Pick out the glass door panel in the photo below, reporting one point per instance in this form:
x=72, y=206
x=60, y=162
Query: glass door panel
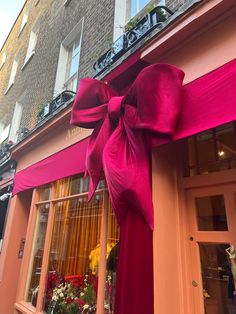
x=217, y=279
x=211, y=211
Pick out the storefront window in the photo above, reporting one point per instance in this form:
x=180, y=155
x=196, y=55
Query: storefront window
x=213, y=150
x=37, y=254
x=112, y=258
x=76, y=234
x=73, y=237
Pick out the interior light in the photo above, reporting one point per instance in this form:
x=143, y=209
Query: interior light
x=221, y=153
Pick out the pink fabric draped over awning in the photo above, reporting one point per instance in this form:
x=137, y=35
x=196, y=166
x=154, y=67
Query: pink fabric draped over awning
x=67, y=162
x=207, y=102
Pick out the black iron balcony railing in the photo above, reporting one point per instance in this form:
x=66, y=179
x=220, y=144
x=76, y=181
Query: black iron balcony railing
x=5, y=152
x=50, y=107
x=149, y=21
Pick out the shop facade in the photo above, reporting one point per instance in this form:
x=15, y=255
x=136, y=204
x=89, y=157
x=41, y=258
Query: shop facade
x=193, y=186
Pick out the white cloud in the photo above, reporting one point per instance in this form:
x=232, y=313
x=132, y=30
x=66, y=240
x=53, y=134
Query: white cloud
x=6, y=22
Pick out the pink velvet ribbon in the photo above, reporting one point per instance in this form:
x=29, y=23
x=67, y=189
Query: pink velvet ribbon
x=123, y=129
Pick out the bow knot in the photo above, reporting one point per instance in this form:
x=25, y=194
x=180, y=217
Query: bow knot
x=122, y=149
x=114, y=107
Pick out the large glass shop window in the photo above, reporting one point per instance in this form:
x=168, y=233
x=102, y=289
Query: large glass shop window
x=72, y=265
x=211, y=151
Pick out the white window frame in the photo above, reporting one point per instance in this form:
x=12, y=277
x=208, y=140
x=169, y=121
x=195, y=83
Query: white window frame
x=15, y=125
x=4, y=57
x=5, y=133
x=12, y=75
x=62, y=80
x=66, y=3
x=24, y=19
x=123, y=14
x=2, y=125
x=32, y=44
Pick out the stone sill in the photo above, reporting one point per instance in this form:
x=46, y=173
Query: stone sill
x=8, y=88
x=22, y=29
x=28, y=60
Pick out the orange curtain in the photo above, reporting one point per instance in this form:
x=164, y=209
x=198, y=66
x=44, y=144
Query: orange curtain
x=76, y=230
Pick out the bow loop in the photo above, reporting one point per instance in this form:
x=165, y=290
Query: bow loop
x=156, y=95
x=90, y=103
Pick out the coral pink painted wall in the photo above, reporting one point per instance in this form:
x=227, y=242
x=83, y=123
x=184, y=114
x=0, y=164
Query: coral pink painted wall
x=209, y=49
x=17, y=221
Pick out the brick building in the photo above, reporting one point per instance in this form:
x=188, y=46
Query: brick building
x=49, y=233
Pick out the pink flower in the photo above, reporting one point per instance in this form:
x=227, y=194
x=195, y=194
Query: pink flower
x=69, y=300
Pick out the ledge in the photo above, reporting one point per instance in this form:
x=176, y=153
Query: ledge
x=2, y=65
x=25, y=308
x=8, y=88
x=21, y=30
x=28, y=60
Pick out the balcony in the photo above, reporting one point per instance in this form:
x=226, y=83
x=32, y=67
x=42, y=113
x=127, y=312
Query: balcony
x=135, y=31
x=5, y=152
x=47, y=111
x=50, y=108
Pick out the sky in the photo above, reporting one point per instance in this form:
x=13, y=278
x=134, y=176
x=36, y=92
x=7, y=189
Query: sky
x=9, y=10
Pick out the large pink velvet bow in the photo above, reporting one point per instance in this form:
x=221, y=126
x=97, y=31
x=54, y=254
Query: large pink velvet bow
x=123, y=128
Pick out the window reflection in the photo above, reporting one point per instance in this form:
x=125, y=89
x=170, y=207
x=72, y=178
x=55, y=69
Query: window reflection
x=37, y=254
x=211, y=214
x=213, y=150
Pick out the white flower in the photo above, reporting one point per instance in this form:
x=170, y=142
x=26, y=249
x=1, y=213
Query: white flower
x=54, y=298
x=58, y=291
x=81, y=294
x=61, y=295
x=85, y=307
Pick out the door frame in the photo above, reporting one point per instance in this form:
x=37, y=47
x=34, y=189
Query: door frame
x=223, y=182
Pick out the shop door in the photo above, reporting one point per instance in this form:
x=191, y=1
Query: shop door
x=212, y=239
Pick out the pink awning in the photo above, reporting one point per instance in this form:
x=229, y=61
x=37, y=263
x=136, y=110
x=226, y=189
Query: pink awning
x=67, y=162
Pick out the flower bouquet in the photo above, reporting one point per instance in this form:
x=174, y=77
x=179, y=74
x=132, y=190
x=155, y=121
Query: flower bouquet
x=73, y=296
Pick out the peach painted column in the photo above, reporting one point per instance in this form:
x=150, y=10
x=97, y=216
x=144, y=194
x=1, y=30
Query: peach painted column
x=168, y=285
x=103, y=251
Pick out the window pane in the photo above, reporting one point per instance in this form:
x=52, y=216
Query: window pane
x=37, y=254
x=74, y=64
x=112, y=257
x=45, y=192
x=74, y=255
x=137, y=5
x=76, y=47
x=211, y=214
x=213, y=150
x=71, y=186
x=217, y=278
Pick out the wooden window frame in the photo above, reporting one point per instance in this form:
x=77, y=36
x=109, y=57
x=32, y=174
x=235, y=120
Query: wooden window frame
x=25, y=307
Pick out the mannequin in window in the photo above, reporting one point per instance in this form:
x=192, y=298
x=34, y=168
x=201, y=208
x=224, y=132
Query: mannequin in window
x=232, y=256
